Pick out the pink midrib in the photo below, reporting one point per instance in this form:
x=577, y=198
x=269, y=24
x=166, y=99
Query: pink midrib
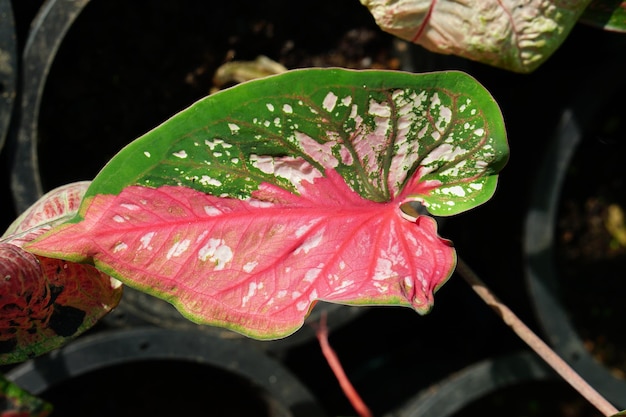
x=422, y=27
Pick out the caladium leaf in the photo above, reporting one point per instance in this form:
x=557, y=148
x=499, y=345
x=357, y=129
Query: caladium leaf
x=45, y=302
x=517, y=36
x=15, y=402
x=256, y=201
x=55, y=207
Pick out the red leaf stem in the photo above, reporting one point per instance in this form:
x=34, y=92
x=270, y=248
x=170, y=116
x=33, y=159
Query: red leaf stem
x=334, y=363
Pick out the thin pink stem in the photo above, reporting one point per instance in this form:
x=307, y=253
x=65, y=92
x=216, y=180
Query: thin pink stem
x=335, y=365
x=538, y=345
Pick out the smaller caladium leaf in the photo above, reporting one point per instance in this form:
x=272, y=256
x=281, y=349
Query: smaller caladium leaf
x=55, y=207
x=507, y=34
x=45, y=302
x=15, y=402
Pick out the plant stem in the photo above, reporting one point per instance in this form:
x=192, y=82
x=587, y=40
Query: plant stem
x=334, y=363
x=532, y=340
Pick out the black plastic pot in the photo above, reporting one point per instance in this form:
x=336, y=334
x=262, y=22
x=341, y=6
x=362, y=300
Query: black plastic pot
x=8, y=67
x=161, y=372
x=47, y=32
x=461, y=389
x=579, y=121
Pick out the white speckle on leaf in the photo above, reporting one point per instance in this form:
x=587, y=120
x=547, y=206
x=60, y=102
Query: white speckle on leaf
x=322, y=152
x=252, y=287
x=234, y=129
x=422, y=280
x=145, y=241
x=379, y=109
x=383, y=269
x=295, y=295
x=260, y=204
x=343, y=286
x=456, y=191
x=120, y=246
x=346, y=101
x=215, y=142
x=263, y=163
x=281, y=293
x=408, y=282
x=212, y=211
x=445, y=116
x=354, y=112
x=201, y=236
x=476, y=186
x=444, y=152
x=216, y=251
x=292, y=169
x=479, y=132
x=270, y=106
x=206, y=180
x=129, y=206
x=118, y=219
x=329, y=102
x=302, y=305
x=180, y=154
x=148, y=155
x=310, y=243
x=313, y=273
x=178, y=248
x=300, y=231
x=249, y=267
x=287, y=108
x=435, y=100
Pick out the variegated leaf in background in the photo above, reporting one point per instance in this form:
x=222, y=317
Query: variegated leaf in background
x=514, y=35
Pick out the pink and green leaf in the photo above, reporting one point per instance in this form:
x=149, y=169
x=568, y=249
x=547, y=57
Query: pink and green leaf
x=255, y=202
x=45, y=302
